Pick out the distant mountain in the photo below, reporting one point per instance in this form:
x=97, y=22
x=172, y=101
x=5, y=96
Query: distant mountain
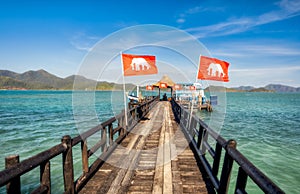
x=7, y=73
x=222, y=89
x=260, y=90
x=268, y=88
x=82, y=83
x=9, y=83
x=41, y=79
x=282, y=88
x=244, y=88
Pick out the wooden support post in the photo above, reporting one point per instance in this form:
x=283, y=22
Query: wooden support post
x=85, y=158
x=200, y=133
x=217, y=158
x=123, y=124
x=193, y=125
x=186, y=118
x=133, y=114
x=14, y=186
x=68, y=170
x=120, y=125
x=111, y=135
x=205, y=138
x=147, y=107
x=104, y=138
x=180, y=112
x=159, y=93
x=241, y=181
x=45, y=176
x=226, y=170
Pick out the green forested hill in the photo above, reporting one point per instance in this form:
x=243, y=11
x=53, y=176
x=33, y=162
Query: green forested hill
x=41, y=79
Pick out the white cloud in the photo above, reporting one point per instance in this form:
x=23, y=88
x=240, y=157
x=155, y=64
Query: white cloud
x=194, y=10
x=291, y=6
x=261, y=48
x=221, y=29
x=180, y=20
x=269, y=69
x=287, y=9
x=83, y=42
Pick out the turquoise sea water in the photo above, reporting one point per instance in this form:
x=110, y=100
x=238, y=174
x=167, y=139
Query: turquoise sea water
x=265, y=125
x=267, y=129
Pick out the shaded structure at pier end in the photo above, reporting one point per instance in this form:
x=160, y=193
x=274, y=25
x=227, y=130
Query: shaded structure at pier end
x=165, y=80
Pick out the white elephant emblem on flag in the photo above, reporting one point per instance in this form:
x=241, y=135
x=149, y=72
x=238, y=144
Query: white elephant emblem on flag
x=138, y=64
x=213, y=68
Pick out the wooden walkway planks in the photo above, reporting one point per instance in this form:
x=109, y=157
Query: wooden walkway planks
x=153, y=158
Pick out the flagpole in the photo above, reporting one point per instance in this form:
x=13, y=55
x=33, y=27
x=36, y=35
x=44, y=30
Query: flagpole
x=137, y=91
x=197, y=76
x=198, y=68
x=191, y=113
x=124, y=93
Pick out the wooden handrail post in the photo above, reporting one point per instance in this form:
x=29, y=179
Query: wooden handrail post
x=241, y=180
x=193, y=125
x=121, y=132
x=14, y=186
x=204, y=140
x=84, y=154
x=45, y=176
x=111, y=135
x=68, y=170
x=185, y=118
x=180, y=112
x=104, y=138
x=200, y=134
x=226, y=170
x=217, y=158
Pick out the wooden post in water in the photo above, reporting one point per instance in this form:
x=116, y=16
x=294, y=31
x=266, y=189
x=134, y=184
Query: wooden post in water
x=68, y=165
x=14, y=186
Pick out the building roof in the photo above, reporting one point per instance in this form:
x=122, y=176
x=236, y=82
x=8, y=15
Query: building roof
x=165, y=79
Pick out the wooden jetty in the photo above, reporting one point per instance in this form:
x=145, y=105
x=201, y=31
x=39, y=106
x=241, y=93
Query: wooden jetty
x=164, y=149
x=150, y=160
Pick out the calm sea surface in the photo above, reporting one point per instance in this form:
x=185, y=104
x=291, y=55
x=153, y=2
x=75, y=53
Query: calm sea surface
x=265, y=125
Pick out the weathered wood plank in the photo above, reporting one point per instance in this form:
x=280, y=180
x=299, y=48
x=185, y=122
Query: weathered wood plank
x=167, y=156
x=154, y=158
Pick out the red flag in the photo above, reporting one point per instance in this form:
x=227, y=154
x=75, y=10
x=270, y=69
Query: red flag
x=163, y=85
x=213, y=69
x=177, y=87
x=138, y=65
x=149, y=87
x=192, y=87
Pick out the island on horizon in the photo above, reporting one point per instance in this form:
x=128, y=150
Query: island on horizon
x=43, y=80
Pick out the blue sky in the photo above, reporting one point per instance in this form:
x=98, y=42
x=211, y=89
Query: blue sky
x=260, y=39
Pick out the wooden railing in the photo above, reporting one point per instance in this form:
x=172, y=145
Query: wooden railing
x=112, y=132
x=198, y=133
